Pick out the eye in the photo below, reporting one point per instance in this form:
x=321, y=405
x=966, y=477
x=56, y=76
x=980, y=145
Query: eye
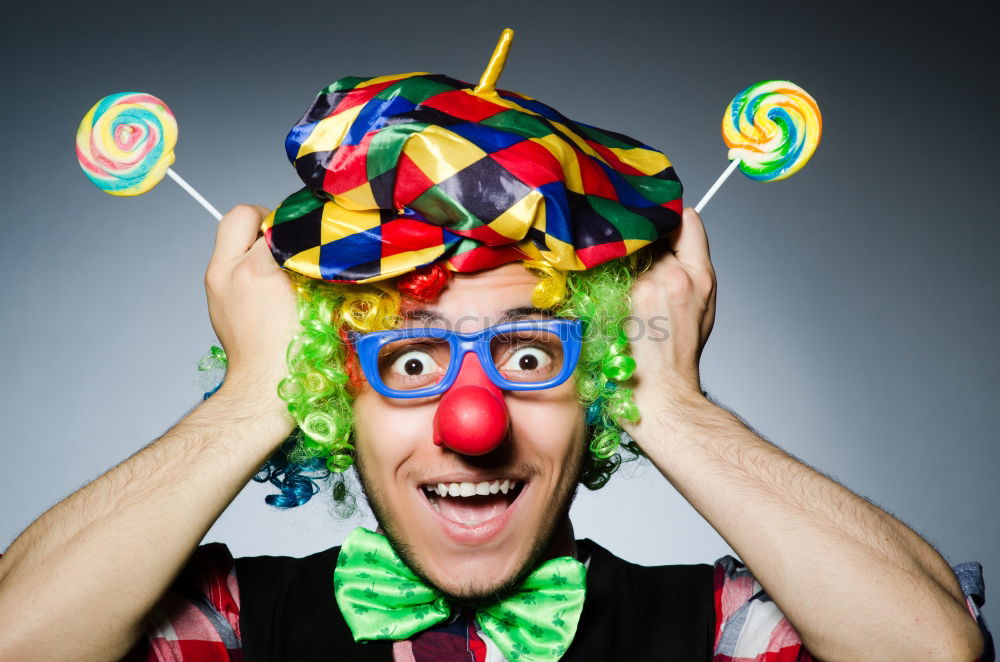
x=413, y=363
x=527, y=359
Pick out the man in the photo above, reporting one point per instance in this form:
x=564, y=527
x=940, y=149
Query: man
x=475, y=541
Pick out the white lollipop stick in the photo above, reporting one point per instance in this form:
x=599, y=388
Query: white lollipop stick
x=715, y=187
x=194, y=194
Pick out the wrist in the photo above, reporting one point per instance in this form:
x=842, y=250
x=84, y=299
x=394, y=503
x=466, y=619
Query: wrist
x=669, y=416
x=251, y=388
x=253, y=402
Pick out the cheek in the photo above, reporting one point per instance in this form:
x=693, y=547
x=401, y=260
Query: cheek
x=387, y=433
x=554, y=422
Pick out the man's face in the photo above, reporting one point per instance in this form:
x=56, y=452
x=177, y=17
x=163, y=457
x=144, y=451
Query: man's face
x=471, y=547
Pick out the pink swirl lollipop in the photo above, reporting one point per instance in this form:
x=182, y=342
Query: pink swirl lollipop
x=125, y=145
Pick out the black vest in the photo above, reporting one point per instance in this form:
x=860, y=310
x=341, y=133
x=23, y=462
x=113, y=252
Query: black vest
x=288, y=612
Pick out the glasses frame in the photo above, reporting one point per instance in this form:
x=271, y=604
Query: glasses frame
x=367, y=346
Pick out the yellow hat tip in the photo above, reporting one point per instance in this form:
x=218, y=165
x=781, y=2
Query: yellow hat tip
x=488, y=81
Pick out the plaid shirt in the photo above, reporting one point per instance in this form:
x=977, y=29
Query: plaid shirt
x=198, y=620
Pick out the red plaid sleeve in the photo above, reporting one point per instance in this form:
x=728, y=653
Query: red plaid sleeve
x=198, y=618
x=749, y=627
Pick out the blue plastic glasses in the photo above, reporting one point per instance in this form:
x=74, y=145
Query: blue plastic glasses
x=519, y=356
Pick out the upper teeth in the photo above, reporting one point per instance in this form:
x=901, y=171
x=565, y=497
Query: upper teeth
x=470, y=489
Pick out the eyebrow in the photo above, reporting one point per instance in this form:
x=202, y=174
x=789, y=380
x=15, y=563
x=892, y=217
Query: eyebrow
x=522, y=312
x=509, y=315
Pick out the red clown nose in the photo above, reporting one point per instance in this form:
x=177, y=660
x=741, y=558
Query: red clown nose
x=471, y=418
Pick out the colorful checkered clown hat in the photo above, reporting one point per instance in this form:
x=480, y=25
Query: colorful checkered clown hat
x=406, y=170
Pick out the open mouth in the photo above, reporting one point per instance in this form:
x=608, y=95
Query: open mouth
x=473, y=503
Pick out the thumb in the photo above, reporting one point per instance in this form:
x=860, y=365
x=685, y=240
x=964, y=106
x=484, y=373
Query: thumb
x=237, y=232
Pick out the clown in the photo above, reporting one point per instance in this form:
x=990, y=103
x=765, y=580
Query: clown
x=444, y=308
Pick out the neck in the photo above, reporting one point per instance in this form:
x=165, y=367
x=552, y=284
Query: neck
x=563, y=543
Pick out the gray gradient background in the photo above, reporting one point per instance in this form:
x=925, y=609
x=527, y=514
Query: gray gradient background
x=857, y=308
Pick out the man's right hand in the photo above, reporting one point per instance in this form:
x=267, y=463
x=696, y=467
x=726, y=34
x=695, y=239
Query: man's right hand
x=251, y=303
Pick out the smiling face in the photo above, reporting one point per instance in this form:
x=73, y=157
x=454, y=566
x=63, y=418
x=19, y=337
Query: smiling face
x=473, y=525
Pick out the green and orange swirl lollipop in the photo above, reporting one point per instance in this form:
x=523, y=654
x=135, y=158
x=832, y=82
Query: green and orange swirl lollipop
x=772, y=129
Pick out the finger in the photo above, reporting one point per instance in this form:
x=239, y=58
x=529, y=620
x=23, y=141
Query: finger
x=690, y=241
x=260, y=254
x=237, y=232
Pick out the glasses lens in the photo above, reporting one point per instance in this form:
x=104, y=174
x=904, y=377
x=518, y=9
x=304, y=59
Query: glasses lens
x=527, y=355
x=413, y=363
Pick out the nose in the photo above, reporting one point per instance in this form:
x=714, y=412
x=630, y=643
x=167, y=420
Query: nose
x=471, y=418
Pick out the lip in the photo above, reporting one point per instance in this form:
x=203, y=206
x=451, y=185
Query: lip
x=474, y=534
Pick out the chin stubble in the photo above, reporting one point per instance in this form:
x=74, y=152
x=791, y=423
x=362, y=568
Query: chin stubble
x=478, y=595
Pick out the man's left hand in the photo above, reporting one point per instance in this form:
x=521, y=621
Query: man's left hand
x=673, y=307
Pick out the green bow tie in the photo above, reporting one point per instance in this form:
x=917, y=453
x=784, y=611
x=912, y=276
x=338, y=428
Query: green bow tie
x=381, y=598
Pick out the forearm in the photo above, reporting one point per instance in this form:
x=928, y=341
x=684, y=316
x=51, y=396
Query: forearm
x=855, y=582
x=92, y=566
